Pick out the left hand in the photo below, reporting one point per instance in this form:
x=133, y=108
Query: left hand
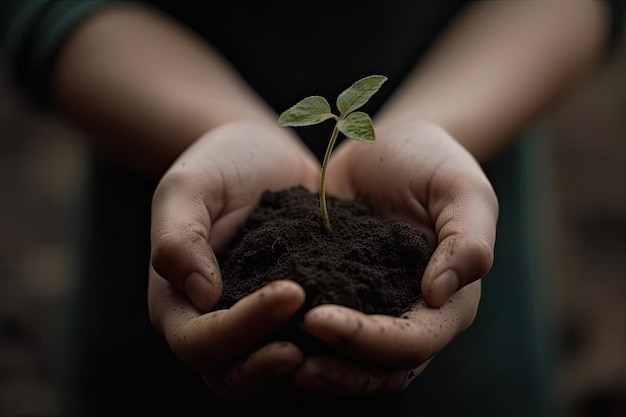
x=419, y=174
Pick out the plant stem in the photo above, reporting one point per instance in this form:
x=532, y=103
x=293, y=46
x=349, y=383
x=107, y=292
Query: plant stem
x=323, y=208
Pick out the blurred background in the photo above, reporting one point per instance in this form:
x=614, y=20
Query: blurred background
x=42, y=177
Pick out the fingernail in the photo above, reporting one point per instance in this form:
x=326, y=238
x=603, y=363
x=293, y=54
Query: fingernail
x=198, y=289
x=445, y=285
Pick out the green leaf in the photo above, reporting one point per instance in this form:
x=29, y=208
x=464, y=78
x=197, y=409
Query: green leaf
x=358, y=126
x=359, y=93
x=309, y=111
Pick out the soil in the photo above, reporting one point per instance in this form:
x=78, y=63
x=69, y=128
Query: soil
x=368, y=263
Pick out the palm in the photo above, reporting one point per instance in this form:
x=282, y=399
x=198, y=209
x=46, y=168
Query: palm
x=421, y=175
x=226, y=172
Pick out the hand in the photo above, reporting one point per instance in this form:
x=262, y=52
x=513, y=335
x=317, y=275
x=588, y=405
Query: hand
x=198, y=206
x=419, y=174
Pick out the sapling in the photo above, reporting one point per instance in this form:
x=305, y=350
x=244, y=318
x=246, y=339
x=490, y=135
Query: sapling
x=354, y=124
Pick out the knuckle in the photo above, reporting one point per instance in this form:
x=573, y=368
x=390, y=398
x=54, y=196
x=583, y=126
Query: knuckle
x=480, y=250
x=173, y=180
x=170, y=247
x=164, y=252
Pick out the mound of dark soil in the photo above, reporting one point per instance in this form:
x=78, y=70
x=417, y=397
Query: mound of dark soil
x=371, y=264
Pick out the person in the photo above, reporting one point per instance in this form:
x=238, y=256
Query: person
x=181, y=100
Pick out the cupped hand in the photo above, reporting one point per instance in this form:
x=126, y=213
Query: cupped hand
x=419, y=174
x=197, y=208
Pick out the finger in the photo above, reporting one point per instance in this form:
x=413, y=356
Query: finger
x=401, y=342
x=466, y=218
x=209, y=340
x=180, y=231
x=337, y=376
x=263, y=373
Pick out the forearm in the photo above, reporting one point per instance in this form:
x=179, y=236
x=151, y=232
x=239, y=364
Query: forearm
x=498, y=67
x=149, y=85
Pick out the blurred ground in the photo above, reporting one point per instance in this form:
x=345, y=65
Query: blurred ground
x=588, y=135
x=42, y=174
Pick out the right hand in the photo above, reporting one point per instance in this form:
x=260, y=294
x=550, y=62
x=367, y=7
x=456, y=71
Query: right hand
x=198, y=206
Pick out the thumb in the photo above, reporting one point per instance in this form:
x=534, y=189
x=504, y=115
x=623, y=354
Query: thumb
x=180, y=250
x=466, y=230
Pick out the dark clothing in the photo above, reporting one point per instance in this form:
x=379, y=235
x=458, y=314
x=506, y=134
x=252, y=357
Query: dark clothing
x=285, y=50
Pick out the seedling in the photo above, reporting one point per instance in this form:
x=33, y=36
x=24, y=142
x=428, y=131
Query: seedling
x=355, y=125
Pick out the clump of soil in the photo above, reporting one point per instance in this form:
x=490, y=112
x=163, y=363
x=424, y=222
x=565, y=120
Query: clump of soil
x=368, y=263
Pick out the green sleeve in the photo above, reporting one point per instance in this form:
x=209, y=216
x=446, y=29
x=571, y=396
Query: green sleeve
x=32, y=33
